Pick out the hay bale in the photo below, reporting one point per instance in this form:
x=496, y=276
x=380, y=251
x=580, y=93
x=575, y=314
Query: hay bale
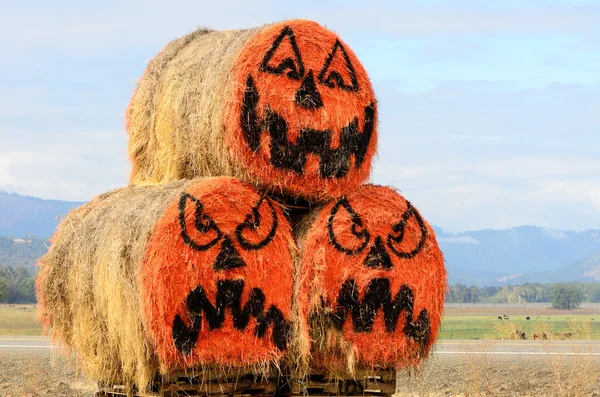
x=235, y=255
x=372, y=282
x=117, y=284
x=286, y=106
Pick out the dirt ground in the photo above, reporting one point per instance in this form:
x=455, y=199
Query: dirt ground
x=503, y=376
x=36, y=373
x=33, y=373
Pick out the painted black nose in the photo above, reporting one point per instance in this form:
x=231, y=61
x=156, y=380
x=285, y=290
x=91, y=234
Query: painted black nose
x=228, y=258
x=307, y=95
x=378, y=257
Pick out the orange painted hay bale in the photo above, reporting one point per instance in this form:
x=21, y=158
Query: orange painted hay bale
x=234, y=256
x=96, y=292
x=286, y=106
x=372, y=282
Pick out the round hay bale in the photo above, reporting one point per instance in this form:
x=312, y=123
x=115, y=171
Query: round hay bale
x=125, y=271
x=234, y=255
x=372, y=282
x=286, y=106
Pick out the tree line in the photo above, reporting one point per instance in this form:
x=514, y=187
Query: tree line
x=17, y=285
x=561, y=295
x=22, y=251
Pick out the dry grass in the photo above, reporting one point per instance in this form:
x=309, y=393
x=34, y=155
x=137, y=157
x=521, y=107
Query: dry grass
x=41, y=373
x=487, y=375
x=19, y=319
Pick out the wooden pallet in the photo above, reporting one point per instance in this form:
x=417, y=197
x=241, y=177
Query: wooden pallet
x=382, y=383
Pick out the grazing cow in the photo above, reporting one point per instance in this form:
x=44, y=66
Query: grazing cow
x=544, y=336
x=521, y=335
x=527, y=318
x=499, y=318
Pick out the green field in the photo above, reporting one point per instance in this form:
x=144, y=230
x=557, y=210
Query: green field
x=580, y=326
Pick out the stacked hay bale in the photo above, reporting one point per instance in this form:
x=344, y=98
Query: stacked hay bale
x=122, y=278
x=235, y=252
x=287, y=107
x=372, y=282
x=177, y=272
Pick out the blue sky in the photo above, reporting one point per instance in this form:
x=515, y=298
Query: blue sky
x=489, y=110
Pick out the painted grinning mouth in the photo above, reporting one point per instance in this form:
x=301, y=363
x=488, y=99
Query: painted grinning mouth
x=378, y=296
x=289, y=156
x=229, y=298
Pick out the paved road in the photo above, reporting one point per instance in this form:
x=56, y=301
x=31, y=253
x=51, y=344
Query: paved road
x=13, y=343
x=517, y=348
x=443, y=348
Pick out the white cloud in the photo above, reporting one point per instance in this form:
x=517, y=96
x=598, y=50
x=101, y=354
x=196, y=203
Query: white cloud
x=543, y=169
x=469, y=154
x=467, y=196
x=461, y=240
x=59, y=165
x=73, y=25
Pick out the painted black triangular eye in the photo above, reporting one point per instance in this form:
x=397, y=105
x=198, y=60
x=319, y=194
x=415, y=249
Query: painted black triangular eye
x=399, y=234
x=198, y=230
x=290, y=62
x=251, y=233
x=362, y=236
x=333, y=74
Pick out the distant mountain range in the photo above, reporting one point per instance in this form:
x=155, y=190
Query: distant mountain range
x=520, y=254
x=24, y=215
x=482, y=257
x=587, y=269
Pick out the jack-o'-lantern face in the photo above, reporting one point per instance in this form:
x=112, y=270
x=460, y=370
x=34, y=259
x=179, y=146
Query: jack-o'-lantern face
x=379, y=273
x=303, y=111
x=217, y=277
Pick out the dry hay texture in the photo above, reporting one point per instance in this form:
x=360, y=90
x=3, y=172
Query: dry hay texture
x=372, y=282
x=196, y=273
x=286, y=106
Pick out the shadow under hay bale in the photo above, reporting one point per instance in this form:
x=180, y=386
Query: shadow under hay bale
x=372, y=282
x=193, y=273
x=286, y=106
